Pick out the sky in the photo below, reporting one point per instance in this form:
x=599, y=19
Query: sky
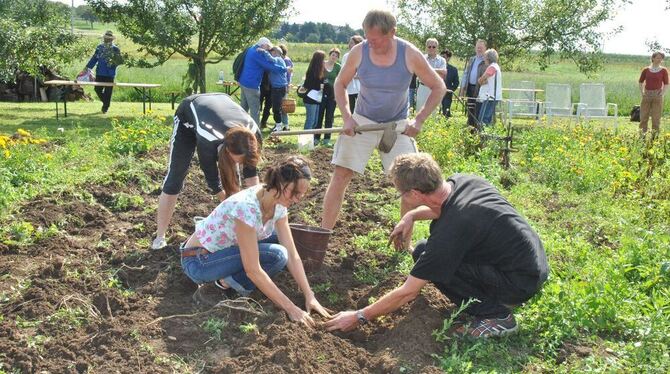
x=642, y=20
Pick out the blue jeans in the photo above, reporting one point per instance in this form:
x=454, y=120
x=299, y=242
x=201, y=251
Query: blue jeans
x=487, y=111
x=311, y=115
x=227, y=264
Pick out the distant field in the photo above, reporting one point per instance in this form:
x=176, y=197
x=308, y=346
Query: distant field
x=619, y=75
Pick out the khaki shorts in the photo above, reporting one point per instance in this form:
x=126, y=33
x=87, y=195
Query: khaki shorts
x=353, y=152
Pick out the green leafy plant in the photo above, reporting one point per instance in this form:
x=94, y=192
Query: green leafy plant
x=135, y=136
x=247, y=328
x=214, y=327
x=69, y=317
x=122, y=201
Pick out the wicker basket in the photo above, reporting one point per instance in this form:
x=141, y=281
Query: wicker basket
x=288, y=105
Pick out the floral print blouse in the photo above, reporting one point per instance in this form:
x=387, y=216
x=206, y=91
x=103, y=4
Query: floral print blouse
x=217, y=231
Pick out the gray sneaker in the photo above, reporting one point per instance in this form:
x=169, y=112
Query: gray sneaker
x=487, y=327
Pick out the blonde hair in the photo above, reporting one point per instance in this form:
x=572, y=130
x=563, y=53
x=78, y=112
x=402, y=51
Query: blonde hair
x=379, y=18
x=416, y=171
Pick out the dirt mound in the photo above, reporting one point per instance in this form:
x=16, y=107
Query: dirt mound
x=92, y=297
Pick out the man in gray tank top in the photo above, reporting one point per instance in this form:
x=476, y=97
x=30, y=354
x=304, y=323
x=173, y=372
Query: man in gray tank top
x=384, y=65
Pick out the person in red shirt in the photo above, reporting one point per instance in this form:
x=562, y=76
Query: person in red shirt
x=653, y=83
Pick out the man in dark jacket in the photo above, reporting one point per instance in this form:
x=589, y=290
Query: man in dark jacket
x=451, y=80
x=107, y=57
x=256, y=62
x=474, y=68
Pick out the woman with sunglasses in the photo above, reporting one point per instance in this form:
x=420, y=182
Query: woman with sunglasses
x=246, y=240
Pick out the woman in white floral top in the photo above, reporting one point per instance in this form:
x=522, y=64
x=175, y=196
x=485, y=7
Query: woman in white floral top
x=236, y=248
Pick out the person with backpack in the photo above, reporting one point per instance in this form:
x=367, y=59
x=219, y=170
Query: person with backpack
x=224, y=136
x=107, y=57
x=256, y=61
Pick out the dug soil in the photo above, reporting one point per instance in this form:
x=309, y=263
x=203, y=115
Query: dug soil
x=90, y=296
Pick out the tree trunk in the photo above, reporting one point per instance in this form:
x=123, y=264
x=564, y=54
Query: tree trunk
x=199, y=82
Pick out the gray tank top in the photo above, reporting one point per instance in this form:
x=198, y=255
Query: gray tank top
x=383, y=96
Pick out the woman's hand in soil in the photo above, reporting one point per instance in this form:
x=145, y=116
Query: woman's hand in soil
x=312, y=304
x=344, y=321
x=298, y=315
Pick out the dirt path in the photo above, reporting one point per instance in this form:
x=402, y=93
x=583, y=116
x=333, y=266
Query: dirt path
x=92, y=297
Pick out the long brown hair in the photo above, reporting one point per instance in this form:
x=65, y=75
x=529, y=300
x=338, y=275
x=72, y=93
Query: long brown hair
x=315, y=68
x=238, y=141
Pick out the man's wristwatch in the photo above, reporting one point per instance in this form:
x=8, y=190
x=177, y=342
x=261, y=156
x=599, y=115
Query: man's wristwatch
x=361, y=318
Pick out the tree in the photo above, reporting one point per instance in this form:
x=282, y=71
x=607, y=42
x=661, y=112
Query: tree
x=35, y=34
x=307, y=29
x=204, y=31
x=326, y=32
x=86, y=13
x=538, y=29
x=312, y=38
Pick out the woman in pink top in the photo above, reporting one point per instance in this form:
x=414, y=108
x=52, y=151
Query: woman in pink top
x=236, y=246
x=653, y=83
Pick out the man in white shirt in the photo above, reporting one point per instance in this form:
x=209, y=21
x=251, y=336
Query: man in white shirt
x=438, y=63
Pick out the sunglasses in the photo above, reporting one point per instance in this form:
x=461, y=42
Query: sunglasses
x=431, y=46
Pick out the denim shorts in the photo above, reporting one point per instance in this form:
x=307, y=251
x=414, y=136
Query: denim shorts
x=226, y=264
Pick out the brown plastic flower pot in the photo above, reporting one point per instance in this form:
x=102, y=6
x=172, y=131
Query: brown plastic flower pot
x=311, y=243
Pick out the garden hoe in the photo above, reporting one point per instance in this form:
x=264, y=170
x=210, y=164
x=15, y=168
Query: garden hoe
x=385, y=144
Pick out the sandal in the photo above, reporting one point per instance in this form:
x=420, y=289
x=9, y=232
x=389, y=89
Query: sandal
x=220, y=285
x=229, y=292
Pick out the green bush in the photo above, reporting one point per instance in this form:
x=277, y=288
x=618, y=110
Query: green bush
x=136, y=136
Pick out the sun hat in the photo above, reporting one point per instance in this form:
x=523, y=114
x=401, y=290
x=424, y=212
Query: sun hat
x=108, y=35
